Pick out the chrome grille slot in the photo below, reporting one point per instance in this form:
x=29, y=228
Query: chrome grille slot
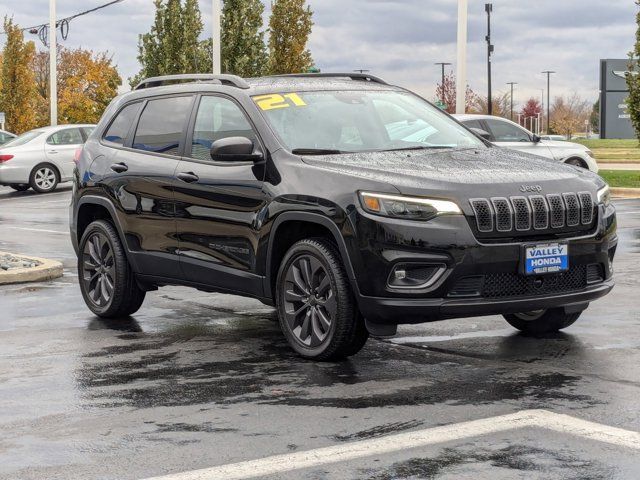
x=556, y=210
x=573, y=209
x=522, y=213
x=586, y=204
x=484, y=215
x=504, y=214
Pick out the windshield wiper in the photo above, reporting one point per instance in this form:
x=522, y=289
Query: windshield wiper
x=315, y=151
x=422, y=147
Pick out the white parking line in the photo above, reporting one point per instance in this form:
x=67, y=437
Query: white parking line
x=37, y=230
x=421, y=438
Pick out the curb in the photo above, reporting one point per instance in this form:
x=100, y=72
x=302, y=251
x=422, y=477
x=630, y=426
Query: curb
x=47, y=270
x=625, y=192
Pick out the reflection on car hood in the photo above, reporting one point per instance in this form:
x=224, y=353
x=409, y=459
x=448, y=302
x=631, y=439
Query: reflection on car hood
x=452, y=169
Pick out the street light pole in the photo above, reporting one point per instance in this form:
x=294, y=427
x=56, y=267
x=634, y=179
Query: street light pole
x=53, y=66
x=215, y=37
x=442, y=64
x=512, y=84
x=488, y=7
x=461, y=76
x=548, y=72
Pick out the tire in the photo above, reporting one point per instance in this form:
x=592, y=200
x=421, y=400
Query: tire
x=542, y=321
x=107, y=282
x=20, y=187
x=316, y=308
x=577, y=162
x=44, y=178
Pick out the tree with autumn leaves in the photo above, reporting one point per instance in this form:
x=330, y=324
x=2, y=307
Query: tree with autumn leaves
x=87, y=82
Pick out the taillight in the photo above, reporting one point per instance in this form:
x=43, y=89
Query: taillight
x=5, y=158
x=76, y=156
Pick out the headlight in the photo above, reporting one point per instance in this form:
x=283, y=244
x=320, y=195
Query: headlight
x=409, y=208
x=604, y=195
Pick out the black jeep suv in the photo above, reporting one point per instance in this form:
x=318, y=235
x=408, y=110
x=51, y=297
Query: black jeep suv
x=349, y=204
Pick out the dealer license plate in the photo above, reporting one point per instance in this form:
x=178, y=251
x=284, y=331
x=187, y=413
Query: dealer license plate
x=546, y=258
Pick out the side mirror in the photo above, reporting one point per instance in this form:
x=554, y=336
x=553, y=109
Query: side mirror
x=481, y=133
x=234, y=149
x=536, y=138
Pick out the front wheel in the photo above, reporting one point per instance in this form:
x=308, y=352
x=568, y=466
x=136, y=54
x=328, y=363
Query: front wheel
x=316, y=308
x=542, y=321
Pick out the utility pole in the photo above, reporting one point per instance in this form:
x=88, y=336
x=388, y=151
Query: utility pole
x=53, y=63
x=215, y=37
x=461, y=77
x=488, y=7
x=512, y=84
x=442, y=64
x=548, y=72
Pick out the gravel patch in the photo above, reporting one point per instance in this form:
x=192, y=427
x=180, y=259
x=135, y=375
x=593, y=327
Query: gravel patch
x=12, y=262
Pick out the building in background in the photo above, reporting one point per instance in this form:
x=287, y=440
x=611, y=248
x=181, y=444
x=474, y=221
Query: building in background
x=615, y=121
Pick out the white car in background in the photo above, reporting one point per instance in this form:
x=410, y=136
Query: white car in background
x=508, y=134
x=42, y=158
x=6, y=136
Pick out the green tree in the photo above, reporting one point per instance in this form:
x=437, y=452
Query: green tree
x=633, y=80
x=289, y=29
x=17, y=98
x=594, y=118
x=243, y=50
x=173, y=44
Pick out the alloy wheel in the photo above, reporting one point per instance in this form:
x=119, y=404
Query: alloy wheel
x=45, y=178
x=98, y=269
x=309, y=301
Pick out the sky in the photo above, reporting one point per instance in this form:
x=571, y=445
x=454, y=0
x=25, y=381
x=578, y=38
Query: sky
x=400, y=40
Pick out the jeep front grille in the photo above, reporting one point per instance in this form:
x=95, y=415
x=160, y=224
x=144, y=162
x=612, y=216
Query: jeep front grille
x=532, y=215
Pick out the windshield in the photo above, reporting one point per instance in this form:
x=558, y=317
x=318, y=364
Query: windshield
x=358, y=121
x=22, y=139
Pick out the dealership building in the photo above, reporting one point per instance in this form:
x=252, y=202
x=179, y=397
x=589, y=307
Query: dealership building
x=615, y=121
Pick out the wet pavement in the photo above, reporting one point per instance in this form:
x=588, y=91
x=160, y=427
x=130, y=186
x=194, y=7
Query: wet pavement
x=196, y=380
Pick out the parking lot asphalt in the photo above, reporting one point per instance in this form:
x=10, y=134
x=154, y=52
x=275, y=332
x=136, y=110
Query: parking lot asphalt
x=195, y=381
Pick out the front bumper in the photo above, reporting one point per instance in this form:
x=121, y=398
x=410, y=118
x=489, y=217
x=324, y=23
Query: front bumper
x=384, y=243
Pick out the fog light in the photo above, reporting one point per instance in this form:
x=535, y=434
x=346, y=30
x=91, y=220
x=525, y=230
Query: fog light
x=415, y=276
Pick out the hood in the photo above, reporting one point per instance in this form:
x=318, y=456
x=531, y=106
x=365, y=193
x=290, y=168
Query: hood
x=564, y=145
x=461, y=172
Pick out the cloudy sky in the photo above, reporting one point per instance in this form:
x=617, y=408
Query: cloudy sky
x=401, y=39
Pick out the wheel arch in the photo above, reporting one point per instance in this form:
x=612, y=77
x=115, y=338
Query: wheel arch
x=299, y=225
x=91, y=208
x=582, y=161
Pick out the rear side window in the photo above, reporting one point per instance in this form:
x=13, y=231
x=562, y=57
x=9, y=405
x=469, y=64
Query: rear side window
x=117, y=131
x=68, y=136
x=161, y=125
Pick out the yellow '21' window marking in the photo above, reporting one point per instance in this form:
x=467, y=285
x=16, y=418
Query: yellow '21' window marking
x=275, y=100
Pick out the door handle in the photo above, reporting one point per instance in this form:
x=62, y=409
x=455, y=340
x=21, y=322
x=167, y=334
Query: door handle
x=53, y=151
x=119, y=167
x=188, y=177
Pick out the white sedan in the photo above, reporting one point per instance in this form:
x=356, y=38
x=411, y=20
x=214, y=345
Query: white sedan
x=42, y=158
x=508, y=134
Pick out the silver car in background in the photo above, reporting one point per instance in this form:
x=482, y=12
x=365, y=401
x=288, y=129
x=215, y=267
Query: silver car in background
x=508, y=134
x=42, y=158
x=6, y=137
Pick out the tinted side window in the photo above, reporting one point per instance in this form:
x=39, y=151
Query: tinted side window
x=217, y=118
x=473, y=124
x=117, y=131
x=68, y=136
x=161, y=125
x=505, y=132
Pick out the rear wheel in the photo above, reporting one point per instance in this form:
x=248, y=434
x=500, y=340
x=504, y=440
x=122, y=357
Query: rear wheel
x=20, y=187
x=316, y=308
x=44, y=178
x=106, y=280
x=542, y=321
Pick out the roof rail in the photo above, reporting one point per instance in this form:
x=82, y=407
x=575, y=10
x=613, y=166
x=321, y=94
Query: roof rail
x=224, y=79
x=353, y=76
